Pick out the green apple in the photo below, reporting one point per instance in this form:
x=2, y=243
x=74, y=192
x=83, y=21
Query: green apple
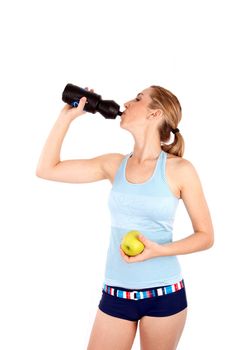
x=131, y=245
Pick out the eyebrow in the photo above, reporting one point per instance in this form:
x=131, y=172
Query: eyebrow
x=139, y=94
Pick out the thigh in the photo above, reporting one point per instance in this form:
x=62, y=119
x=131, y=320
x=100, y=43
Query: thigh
x=162, y=333
x=111, y=332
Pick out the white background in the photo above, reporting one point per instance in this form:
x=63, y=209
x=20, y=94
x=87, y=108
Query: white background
x=54, y=236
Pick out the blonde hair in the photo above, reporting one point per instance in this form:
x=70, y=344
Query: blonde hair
x=170, y=105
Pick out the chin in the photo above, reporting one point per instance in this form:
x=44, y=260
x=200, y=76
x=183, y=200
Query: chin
x=123, y=126
x=122, y=123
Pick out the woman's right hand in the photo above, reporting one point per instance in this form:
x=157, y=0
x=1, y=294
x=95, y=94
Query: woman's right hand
x=69, y=112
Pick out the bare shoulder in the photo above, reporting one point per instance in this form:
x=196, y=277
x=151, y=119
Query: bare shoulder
x=180, y=164
x=111, y=164
x=182, y=170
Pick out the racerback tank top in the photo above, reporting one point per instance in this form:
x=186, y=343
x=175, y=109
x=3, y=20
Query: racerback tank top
x=150, y=208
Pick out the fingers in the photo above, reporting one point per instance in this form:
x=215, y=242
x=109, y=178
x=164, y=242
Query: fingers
x=86, y=101
x=86, y=88
x=81, y=102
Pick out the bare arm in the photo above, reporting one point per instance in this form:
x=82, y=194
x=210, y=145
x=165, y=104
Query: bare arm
x=80, y=170
x=195, y=202
x=50, y=155
x=75, y=171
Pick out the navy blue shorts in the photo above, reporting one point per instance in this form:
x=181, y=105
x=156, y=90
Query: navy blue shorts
x=133, y=310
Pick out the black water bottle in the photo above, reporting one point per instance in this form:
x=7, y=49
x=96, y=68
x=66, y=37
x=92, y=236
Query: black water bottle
x=108, y=108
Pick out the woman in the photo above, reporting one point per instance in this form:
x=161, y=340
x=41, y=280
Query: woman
x=146, y=289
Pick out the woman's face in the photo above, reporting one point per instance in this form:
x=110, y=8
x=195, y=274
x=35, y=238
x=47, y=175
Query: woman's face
x=136, y=110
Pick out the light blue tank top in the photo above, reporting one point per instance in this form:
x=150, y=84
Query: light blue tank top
x=150, y=208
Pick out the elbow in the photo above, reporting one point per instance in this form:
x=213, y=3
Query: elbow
x=40, y=174
x=209, y=245
x=211, y=241
x=45, y=171
x=207, y=239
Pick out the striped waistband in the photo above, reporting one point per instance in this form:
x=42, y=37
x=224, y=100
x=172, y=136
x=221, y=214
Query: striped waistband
x=142, y=294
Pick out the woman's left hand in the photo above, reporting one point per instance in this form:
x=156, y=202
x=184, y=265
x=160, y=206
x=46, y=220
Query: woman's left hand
x=151, y=250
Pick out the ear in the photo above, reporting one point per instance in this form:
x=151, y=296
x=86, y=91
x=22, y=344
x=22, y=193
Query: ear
x=156, y=114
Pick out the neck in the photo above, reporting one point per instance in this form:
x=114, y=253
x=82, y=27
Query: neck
x=146, y=150
x=147, y=146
